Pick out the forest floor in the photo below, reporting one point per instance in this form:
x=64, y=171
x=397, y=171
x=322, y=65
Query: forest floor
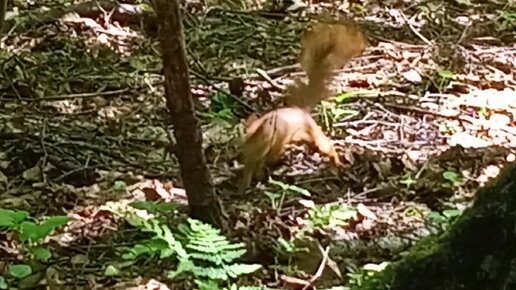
x=422, y=119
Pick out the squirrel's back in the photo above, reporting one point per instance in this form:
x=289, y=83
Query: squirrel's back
x=267, y=137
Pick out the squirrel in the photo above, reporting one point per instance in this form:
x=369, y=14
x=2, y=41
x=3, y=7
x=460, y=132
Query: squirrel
x=324, y=47
x=266, y=138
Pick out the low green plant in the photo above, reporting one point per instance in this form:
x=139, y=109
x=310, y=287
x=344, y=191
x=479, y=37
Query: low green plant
x=3, y=283
x=283, y=190
x=330, y=215
x=332, y=112
x=201, y=252
x=221, y=106
x=20, y=271
x=288, y=248
x=31, y=235
x=155, y=206
x=407, y=180
x=454, y=179
x=445, y=218
x=441, y=80
x=505, y=20
x=358, y=276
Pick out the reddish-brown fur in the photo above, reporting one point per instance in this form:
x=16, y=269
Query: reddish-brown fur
x=268, y=136
x=324, y=48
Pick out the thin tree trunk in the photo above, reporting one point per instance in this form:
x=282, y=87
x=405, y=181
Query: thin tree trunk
x=202, y=200
x=3, y=10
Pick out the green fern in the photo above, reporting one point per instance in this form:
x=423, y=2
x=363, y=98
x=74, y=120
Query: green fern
x=205, y=243
x=163, y=243
x=200, y=249
x=207, y=285
x=210, y=253
x=164, y=233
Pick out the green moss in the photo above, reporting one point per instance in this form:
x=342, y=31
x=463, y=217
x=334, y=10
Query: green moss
x=476, y=253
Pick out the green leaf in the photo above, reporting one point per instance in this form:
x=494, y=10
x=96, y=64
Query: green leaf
x=136, y=251
x=143, y=204
x=55, y=221
x=3, y=284
x=451, y=213
x=111, y=271
x=41, y=253
x=220, y=101
x=436, y=217
x=445, y=74
x=212, y=273
x=343, y=97
x=33, y=232
x=273, y=196
x=299, y=190
x=236, y=270
x=344, y=214
x=453, y=177
x=288, y=187
x=282, y=185
x=183, y=266
x=288, y=246
x=158, y=243
x=207, y=285
x=119, y=185
x=407, y=181
x=20, y=270
x=10, y=218
x=450, y=175
x=166, y=207
x=226, y=114
x=338, y=112
x=376, y=267
x=164, y=248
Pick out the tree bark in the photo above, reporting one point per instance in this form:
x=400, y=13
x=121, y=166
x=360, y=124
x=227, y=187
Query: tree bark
x=478, y=251
x=202, y=200
x=3, y=10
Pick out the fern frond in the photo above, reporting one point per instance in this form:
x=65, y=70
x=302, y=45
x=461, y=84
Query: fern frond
x=203, y=247
x=211, y=273
x=236, y=270
x=164, y=233
x=184, y=266
x=215, y=259
x=207, y=285
x=229, y=256
x=223, y=244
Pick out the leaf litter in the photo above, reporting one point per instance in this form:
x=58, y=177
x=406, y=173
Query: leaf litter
x=434, y=101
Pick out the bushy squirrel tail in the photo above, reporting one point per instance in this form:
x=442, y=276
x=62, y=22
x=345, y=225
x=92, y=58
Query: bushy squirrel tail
x=324, y=47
